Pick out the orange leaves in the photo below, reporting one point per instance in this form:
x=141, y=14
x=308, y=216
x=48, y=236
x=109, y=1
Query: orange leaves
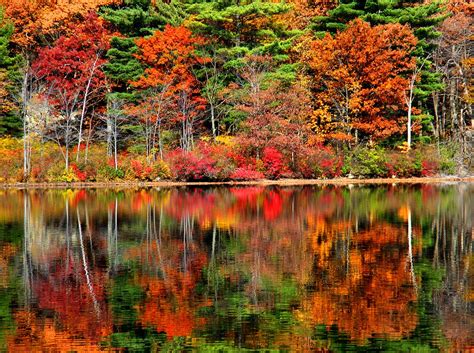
x=169, y=56
x=357, y=78
x=34, y=19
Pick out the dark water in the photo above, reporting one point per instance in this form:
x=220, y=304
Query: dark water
x=362, y=268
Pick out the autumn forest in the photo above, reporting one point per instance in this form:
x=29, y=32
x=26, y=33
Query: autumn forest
x=146, y=90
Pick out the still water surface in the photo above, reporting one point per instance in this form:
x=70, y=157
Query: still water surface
x=362, y=268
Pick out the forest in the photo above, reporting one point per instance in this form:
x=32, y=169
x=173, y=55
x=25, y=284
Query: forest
x=218, y=90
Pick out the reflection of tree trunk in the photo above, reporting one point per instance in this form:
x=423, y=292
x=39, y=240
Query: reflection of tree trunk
x=109, y=235
x=187, y=227
x=112, y=236
x=84, y=264
x=255, y=276
x=116, y=232
x=68, y=233
x=157, y=235
x=212, y=265
x=27, y=268
x=410, y=251
x=436, y=247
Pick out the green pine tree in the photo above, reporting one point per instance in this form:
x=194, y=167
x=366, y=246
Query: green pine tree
x=10, y=122
x=242, y=27
x=134, y=19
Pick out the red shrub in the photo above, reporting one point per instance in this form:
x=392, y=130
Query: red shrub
x=273, y=163
x=137, y=168
x=246, y=173
x=429, y=168
x=190, y=166
x=141, y=170
x=82, y=176
x=319, y=162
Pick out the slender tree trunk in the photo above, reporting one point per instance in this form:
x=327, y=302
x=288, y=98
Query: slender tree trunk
x=109, y=132
x=409, y=125
x=213, y=122
x=89, y=136
x=84, y=106
x=115, y=144
x=409, y=102
x=160, y=142
x=26, y=124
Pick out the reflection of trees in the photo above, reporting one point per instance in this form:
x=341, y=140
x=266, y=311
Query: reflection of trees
x=64, y=285
x=368, y=291
x=256, y=267
x=170, y=268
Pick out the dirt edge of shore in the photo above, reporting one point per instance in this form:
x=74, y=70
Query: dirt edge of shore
x=266, y=182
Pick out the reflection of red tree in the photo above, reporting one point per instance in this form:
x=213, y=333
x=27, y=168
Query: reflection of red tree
x=77, y=196
x=81, y=318
x=80, y=305
x=140, y=199
x=36, y=334
x=272, y=205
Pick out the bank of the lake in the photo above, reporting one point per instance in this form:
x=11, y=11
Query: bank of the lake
x=263, y=182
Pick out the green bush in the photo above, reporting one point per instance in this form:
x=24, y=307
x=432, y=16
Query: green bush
x=368, y=162
x=108, y=173
x=447, y=163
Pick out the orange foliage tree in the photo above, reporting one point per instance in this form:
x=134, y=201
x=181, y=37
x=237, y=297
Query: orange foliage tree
x=38, y=20
x=169, y=57
x=358, y=80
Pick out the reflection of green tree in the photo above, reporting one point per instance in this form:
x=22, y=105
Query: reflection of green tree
x=11, y=233
x=7, y=324
x=234, y=312
x=124, y=298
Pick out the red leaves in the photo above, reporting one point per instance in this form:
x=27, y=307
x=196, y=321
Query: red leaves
x=82, y=176
x=246, y=173
x=73, y=61
x=273, y=162
x=192, y=167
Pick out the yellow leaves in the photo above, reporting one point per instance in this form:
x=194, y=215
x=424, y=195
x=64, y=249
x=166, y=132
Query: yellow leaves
x=226, y=140
x=6, y=104
x=320, y=117
x=404, y=148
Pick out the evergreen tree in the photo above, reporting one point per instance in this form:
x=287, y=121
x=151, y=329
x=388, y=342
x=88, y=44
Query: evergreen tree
x=10, y=123
x=236, y=31
x=242, y=27
x=135, y=19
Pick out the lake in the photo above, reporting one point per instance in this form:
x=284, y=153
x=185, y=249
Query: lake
x=313, y=268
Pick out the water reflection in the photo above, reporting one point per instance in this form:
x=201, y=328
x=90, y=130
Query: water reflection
x=301, y=268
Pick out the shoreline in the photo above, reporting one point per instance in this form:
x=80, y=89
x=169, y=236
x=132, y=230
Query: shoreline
x=264, y=182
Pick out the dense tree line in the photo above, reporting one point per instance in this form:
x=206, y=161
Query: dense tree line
x=287, y=80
